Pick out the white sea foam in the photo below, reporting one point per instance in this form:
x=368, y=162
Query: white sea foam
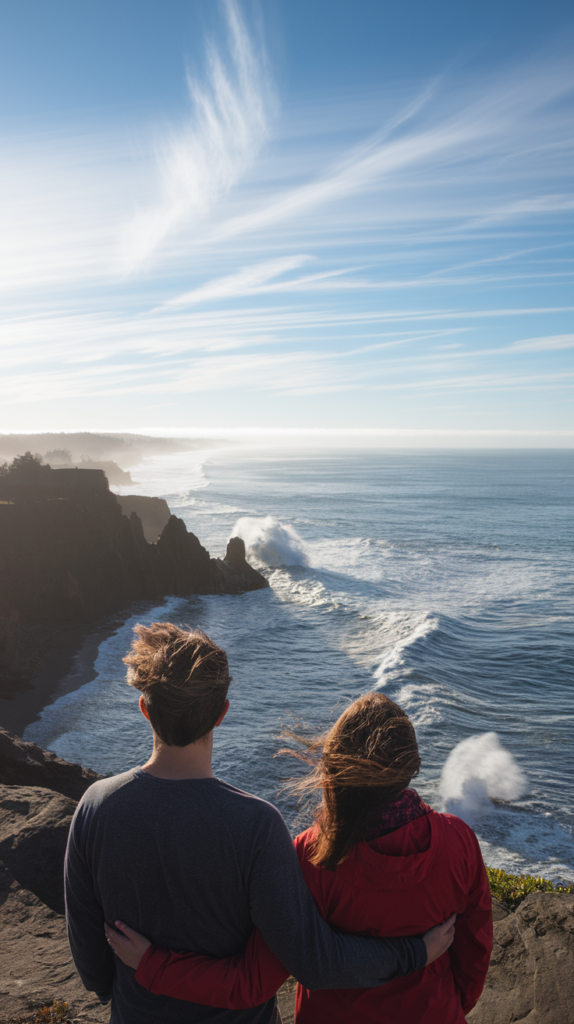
x=271, y=542
x=402, y=632
x=476, y=772
x=423, y=703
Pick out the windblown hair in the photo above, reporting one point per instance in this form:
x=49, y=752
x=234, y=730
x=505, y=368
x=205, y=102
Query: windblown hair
x=184, y=678
x=361, y=765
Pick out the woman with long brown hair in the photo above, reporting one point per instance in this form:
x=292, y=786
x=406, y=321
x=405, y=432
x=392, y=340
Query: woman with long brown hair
x=378, y=861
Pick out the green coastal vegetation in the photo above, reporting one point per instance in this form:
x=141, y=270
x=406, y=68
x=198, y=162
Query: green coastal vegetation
x=513, y=889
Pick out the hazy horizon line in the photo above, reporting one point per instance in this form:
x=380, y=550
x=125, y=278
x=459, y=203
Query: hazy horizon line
x=345, y=436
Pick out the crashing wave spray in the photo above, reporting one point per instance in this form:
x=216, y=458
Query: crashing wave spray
x=270, y=541
x=477, y=771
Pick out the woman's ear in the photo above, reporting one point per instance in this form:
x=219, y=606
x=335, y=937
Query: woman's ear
x=143, y=708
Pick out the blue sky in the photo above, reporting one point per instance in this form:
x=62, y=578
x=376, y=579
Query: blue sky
x=288, y=215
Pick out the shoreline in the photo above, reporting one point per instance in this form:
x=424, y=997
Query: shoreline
x=67, y=664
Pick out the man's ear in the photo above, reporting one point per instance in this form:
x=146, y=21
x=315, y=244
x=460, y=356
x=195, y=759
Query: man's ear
x=222, y=715
x=143, y=708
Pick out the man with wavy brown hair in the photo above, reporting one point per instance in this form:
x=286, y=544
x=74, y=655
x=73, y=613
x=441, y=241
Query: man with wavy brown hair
x=194, y=863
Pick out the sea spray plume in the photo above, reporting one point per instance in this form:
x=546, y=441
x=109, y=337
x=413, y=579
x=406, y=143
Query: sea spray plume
x=201, y=161
x=477, y=771
x=270, y=541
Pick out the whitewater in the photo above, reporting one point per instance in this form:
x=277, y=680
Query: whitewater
x=443, y=579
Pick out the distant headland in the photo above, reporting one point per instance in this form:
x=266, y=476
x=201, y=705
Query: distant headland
x=126, y=450
x=114, y=453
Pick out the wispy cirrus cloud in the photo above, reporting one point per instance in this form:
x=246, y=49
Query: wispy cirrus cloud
x=551, y=343
x=264, y=258
x=483, y=129
x=243, y=283
x=202, y=160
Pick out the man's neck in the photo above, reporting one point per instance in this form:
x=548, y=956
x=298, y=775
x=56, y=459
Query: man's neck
x=191, y=762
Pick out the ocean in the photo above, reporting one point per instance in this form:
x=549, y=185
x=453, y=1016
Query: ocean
x=443, y=578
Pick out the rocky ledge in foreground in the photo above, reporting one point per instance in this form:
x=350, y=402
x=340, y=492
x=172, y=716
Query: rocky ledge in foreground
x=531, y=974
x=26, y=764
x=35, y=814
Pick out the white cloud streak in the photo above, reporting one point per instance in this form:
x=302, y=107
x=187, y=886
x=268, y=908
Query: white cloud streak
x=552, y=343
x=244, y=283
x=201, y=162
x=475, y=132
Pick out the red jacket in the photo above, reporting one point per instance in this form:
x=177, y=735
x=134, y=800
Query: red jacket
x=400, y=884
x=403, y=884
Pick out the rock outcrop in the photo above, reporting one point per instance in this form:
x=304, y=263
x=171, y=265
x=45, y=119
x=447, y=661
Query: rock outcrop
x=153, y=512
x=233, y=574
x=68, y=554
x=34, y=825
x=531, y=975
x=116, y=476
x=26, y=764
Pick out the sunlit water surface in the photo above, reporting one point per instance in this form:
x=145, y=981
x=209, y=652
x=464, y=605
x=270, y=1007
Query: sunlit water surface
x=442, y=578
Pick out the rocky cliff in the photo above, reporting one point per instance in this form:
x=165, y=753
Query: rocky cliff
x=153, y=512
x=68, y=553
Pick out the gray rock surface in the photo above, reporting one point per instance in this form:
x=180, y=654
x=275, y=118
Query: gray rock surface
x=36, y=967
x=531, y=975
x=25, y=764
x=34, y=825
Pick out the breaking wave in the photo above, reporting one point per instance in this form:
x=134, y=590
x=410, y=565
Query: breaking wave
x=405, y=635
x=271, y=542
x=476, y=772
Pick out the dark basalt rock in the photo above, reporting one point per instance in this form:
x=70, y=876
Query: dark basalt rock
x=25, y=764
x=153, y=512
x=182, y=564
x=233, y=574
x=68, y=554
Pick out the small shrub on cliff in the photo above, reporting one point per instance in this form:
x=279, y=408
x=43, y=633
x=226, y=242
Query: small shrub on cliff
x=513, y=889
x=58, y=1013
x=25, y=467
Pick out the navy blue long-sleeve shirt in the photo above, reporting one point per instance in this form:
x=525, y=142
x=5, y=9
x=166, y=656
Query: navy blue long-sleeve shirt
x=194, y=864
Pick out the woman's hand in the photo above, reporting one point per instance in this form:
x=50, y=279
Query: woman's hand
x=130, y=946
x=438, y=939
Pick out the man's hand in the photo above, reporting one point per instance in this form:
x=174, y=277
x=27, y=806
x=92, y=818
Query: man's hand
x=437, y=940
x=131, y=946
